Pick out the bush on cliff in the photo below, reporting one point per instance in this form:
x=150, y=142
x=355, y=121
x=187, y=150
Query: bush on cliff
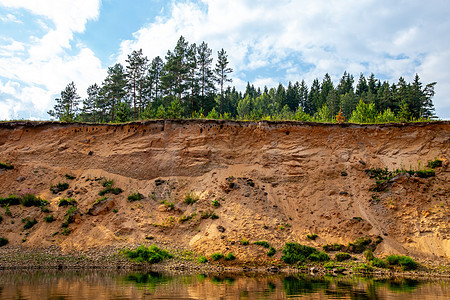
x=152, y=254
x=294, y=253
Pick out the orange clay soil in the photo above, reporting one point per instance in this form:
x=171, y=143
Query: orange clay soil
x=273, y=181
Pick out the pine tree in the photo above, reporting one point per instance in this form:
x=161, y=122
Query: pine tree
x=154, y=78
x=114, y=88
x=67, y=105
x=222, y=70
x=136, y=69
x=89, y=110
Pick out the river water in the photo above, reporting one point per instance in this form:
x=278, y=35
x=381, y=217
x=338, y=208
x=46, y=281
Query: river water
x=120, y=285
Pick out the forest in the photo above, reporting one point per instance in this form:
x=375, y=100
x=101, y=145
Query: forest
x=187, y=84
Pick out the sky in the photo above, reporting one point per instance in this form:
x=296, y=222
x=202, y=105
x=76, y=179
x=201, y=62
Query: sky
x=46, y=44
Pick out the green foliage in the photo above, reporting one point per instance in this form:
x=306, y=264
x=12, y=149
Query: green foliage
x=405, y=262
x=152, y=254
x=190, y=198
x=10, y=200
x=216, y=256
x=169, y=205
x=67, y=202
x=202, y=259
x=69, y=176
x=329, y=265
x=230, y=256
x=214, y=216
x=271, y=252
x=434, y=163
x=49, y=219
x=65, y=108
x=1, y=219
x=185, y=218
x=6, y=166
x=364, y=113
x=342, y=256
x=323, y=115
x=215, y=203
x=368, y=255
x=108, y=188
x=29, y=199
x=3, y=241
x=59, y=187
x=359, y=245
x=378, y=263
x=294, y=253
x=312, y=236
x=135, y=197
x=333, y=247
x=245, y=242
x=29, y=223
x=262, y=243
x=66, y=231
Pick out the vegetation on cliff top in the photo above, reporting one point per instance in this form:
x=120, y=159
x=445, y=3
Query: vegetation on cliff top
x=188, y=85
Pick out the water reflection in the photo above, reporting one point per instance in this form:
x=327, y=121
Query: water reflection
x=120, y=285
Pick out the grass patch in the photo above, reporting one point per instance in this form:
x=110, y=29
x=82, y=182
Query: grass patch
x=215, y=203
x=262, y=243
x=202, y=259
x=294, y=253
x=49, y=219
x=29, y=223
x=216, y=256
x=342, y=256
x=169, y=205
x=333, y=247
x=185, y=218
x=152, y=254
x=29, y=199
x=434, y=163
x=3, y=241
x=405, y=262
x=245, y=242
x=230, y=256
x=10, y=200
x=135, y=197
x=271, y=252
x=312, y=237
x=66, y=231
x=109, y=189
x=67, y=202
x=5, y=166
x=190, y=198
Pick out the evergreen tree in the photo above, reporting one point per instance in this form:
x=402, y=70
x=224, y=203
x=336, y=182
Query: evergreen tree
x=89, y=110
x=66, y=106
x=136, y=71
x=304, y=102
x=222, y=70
x=114, y=88
x=427, y=103
x=325, y=89
x=154, y=78
x=314, y=97
x=361, y=88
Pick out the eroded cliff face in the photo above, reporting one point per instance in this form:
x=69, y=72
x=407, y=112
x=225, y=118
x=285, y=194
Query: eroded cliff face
x=272, y=181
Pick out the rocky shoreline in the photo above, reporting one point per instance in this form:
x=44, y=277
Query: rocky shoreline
x=17, y=258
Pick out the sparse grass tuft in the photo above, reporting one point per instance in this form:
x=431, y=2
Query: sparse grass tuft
x=405, y=262
x=49, y=219
x=67, y=202
x=69, y=177
x=190, y=198
x=312, y=236
x=342, y=256
x=6, y=166
x=216, y=256
x=230, y=256
x=59, y=187
x=215, y=203
x=135, y=197
x=29, y=223
x=271, y=252
x=202, y=259
x=244, y=242
x=435, y=163
x=262, y=243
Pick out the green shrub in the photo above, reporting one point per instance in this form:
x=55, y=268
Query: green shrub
x=214, y=216
x=434, y=163
x=230, y=256
x=359, y=245
x=152, y=254
x=379, y=263
x=108, y=183
x=271, y=252
x=3, y=241
x=135, y=197
x=405, y=262
x=190, y=198
x=329, y=265
x=59, y=187
x=296, y=253
x=108, y=188
x=368, y=255
x=10, y=200
x=185, y=218
x=49, y=219
x=6, y=166
x=202, y=259
x=215, y=203
x=319, y=256
x=244, y=242
x=312, y=236
x=29, y=223
x=216, y=256
x=169, y=205
x=333, y=247
x=69, y=176
x=66, y=231
x=67, y=202
x=262, y=243
x=363, y=268
x=29, y=199
x=342, y=256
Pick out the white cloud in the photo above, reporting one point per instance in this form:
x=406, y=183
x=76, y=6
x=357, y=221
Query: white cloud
x=390, y=39
x=9, y=18
x=43, y=66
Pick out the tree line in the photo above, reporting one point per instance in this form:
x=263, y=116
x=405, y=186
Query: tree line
x=186, y=84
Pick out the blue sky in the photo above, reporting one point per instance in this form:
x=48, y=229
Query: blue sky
x=45, y=44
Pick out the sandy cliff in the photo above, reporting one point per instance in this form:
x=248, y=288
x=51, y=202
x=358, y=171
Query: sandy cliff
x=273, y=181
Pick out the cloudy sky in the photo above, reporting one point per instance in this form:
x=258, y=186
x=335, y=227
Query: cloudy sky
x=45, y=44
